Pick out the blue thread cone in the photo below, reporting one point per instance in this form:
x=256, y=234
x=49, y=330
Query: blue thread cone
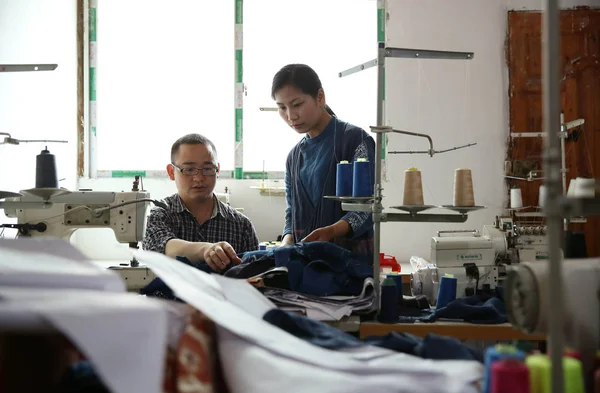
x=446, y=292
x=362, y=182
x=343, y=186
x=389, y=296
x=495, y=353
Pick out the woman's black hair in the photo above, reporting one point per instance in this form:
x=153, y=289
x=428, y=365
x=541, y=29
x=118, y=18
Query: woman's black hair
x=300, y=76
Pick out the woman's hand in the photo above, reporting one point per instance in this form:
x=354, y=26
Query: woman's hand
x=287, y=240
x=324, y=234
x=328, y=233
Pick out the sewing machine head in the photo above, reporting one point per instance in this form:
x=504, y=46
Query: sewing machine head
x=478, y=260
x=61, y=215
x=471, y=259
x=531, y=243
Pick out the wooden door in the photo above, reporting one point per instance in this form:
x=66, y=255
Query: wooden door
x=580, y=87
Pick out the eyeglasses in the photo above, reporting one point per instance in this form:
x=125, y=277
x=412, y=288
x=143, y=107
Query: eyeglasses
x=194, y=171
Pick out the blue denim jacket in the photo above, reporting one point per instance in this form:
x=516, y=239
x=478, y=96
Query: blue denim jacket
x=318, y=268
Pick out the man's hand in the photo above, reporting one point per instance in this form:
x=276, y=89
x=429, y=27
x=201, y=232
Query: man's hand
x=220, y=255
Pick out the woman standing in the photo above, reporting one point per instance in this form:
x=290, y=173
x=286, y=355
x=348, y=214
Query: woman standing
x=311, y=164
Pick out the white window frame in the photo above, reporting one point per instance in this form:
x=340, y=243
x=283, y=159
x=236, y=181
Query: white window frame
x=87, y=166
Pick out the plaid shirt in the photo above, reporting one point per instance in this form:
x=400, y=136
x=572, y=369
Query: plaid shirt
x=177, y=222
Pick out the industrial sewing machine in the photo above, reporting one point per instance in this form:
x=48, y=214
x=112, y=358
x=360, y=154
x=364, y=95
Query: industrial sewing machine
x=60, y=213
x=478, y=261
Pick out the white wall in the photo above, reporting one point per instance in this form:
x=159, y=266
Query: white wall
x=456, y=102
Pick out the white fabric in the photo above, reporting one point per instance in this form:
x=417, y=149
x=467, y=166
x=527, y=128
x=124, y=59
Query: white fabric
x=123, y=335
x=260, y=357
x=397, y=373
x=47, y=285
x=52, y=263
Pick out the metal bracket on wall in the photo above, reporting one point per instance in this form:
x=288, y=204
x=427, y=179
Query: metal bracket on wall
x=431, y=151
x=27, y=67
x=405, y=53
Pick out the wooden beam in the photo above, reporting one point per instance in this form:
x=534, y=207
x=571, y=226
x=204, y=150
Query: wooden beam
x=80, y=88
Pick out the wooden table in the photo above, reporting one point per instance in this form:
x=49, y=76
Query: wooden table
x=459, y=330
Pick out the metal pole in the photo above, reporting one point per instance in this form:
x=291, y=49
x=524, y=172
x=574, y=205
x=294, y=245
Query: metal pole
x=239, y=91
x=552, y=163
x=93, y=144
x=563, y=154
x=377, y=208
x=563, y=164
x=381, y=18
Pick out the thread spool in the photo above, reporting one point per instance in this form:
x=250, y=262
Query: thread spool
x=413, y=187
x=516, y=198
x=572, y=186
x=447, y=291
x=542, y=195
x=540, y=374
x=463, y=188
x=389, y=296
x=362, y=183
x=573, y=375
x=494, y=354
x=343, y=186
x=585, y=188
x=45, y=170
x=509, y=376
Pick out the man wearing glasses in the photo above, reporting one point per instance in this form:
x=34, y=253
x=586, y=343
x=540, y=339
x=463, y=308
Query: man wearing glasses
x=196, y=224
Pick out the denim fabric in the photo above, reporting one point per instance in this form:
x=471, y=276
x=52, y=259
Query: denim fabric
x=325, y=336
x=315, y=268
x=248, y=270
x=313, y=331
x=445, y=348
x=322, y=269
x=315, y=155
x=479, y=309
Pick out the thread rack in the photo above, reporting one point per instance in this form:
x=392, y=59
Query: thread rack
x=374, y=205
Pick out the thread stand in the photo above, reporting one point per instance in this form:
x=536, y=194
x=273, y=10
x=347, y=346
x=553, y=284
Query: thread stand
x=375, y=207
x=413, y=209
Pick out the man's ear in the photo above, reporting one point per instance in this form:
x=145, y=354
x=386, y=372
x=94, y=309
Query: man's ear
x=171, y=172
x=218, y=169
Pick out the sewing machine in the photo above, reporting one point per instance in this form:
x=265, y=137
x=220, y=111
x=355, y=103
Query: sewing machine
x=471, y=259
x=479, y=260
x=61, y=214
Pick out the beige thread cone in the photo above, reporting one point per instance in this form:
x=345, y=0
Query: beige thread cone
x=463, y=188
x=413, y=187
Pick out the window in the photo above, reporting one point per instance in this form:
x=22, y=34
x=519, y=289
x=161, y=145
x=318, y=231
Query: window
x=329, y=36
x=165, y=69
